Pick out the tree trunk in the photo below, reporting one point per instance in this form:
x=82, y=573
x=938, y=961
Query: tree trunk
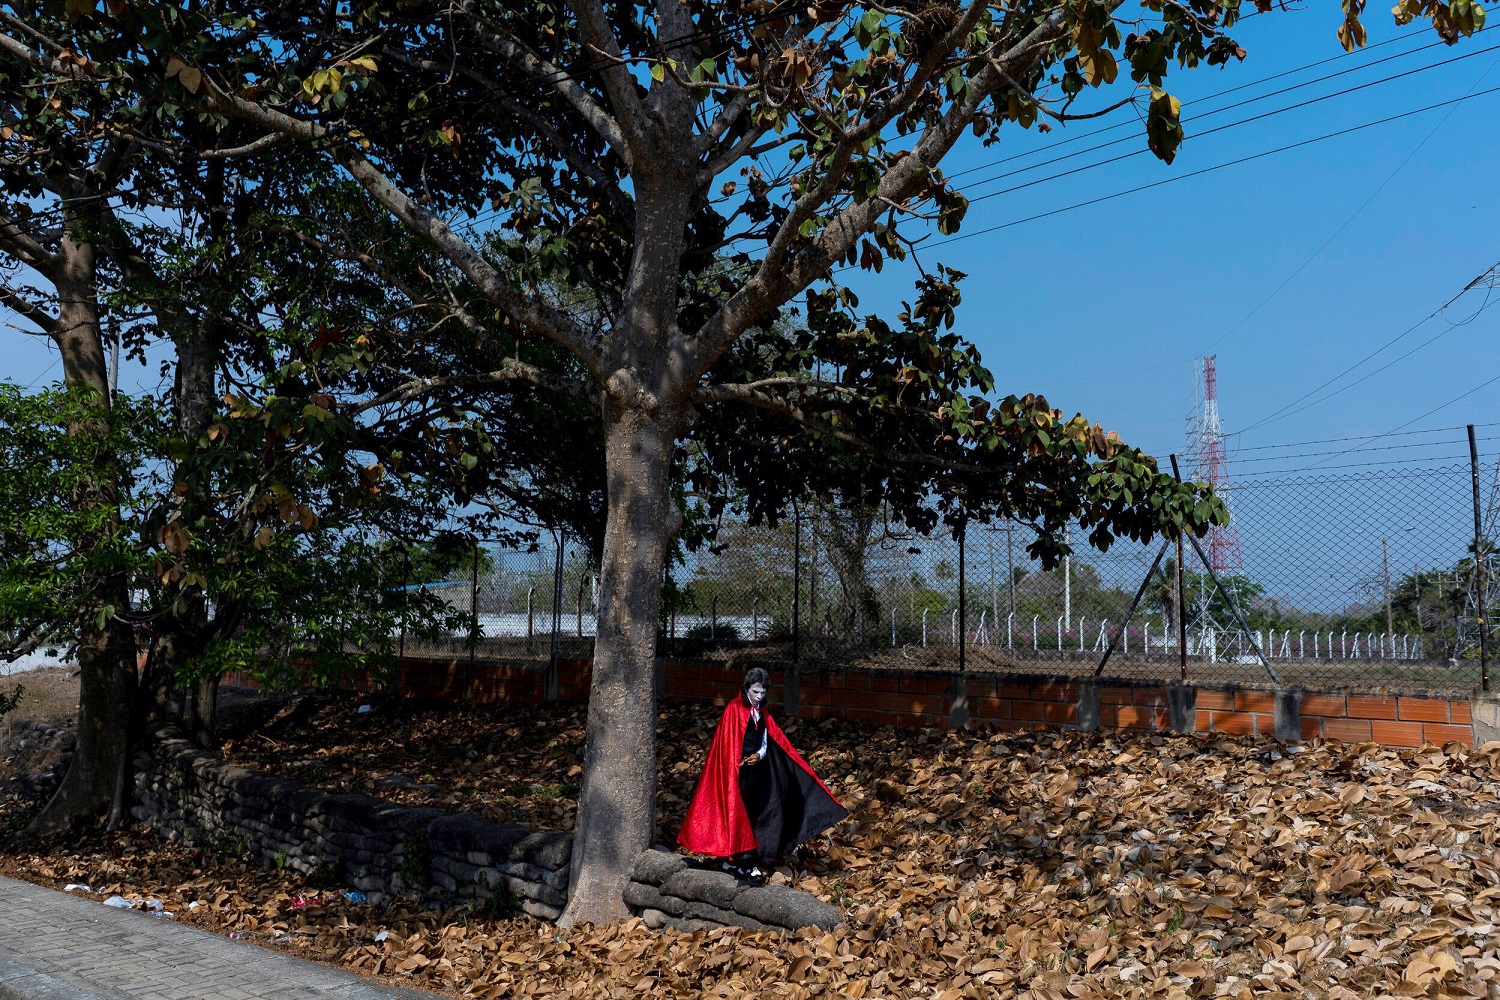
x=848, y=535
x=96, y=782
x=205, y=692
x=194, y=396
x=617, y=804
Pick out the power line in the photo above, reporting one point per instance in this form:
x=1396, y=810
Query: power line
x=1287, y=411
x=1088, y=203
x=1360, y=437
x=1210, y=97
x=1352, y=216
x=1262, y=459
x=1240, y=104
x=1440, y=406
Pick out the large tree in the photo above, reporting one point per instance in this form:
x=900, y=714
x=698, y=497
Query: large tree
x=694, y=168
x=187, y=530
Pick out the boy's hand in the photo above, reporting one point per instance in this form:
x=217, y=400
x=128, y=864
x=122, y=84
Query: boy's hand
x=752, y=759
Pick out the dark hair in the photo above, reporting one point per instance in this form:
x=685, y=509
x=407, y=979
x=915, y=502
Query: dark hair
x=756, y=675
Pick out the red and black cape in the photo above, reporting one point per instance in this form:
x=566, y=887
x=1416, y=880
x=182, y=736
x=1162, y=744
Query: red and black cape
x=768, y=807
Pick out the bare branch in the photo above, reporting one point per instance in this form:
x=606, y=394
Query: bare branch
x=265, y=142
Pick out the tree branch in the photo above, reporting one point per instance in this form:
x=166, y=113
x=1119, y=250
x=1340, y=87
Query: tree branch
x=24, y=248
x=28, y=310
x=618, y=82
x=528, y=62
x=562, y=147
x=748, y=396
x=776, y=280
x=510, y=370
x=530, y=315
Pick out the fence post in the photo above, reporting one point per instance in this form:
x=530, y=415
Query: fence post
x=405, y=612
x=551, y=687
x=791, y=677
x=1181, y=597
x=1479, y=581
x=958, y=716
x=583, y=579
x=473, y=625
x=796, y=583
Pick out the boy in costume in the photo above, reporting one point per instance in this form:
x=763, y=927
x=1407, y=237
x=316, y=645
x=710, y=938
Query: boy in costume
x=757, y=797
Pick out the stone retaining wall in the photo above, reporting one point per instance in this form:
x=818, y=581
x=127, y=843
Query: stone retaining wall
x=382, y=848
x=377, y=847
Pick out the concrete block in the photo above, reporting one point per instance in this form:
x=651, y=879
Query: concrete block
x=655, y=867
x=1485, y=712
x=1288, y=715
x=786, y=907
x=1088, y=707
x=1182, y=705
x=714, y=888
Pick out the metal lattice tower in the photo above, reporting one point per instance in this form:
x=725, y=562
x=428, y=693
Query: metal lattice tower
x=1207, y=461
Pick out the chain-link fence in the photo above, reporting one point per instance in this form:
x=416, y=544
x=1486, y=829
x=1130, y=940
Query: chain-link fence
x=532, y=603
x=1325, y=580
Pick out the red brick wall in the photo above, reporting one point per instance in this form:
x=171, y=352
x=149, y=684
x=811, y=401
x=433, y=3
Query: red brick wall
x=889, y=698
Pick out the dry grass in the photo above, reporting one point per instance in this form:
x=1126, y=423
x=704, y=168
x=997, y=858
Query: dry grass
x=50, y=695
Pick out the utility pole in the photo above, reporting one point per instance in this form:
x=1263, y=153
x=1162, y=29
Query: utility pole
x=1481, y=612
x=114, y=365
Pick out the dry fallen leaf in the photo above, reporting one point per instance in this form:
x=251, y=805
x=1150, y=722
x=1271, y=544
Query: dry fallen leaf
x=973, y=864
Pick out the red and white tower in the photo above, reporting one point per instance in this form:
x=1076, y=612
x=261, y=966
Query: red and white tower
x=1205, y=453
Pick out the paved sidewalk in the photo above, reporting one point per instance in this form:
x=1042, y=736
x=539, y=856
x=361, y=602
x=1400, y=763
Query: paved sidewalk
x=54, y=946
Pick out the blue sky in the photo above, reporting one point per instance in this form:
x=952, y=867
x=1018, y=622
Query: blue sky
x=1105, y=308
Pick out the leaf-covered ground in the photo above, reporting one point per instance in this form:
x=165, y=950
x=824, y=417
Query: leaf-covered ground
x=974, y=864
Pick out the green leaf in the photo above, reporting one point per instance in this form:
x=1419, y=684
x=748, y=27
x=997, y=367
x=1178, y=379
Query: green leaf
x=658, y=72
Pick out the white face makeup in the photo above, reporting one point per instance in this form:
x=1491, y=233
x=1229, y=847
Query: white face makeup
x=756, y=693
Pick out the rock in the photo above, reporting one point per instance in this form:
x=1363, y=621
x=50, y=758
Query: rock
x=551, y=849
x=688, y=926
x=531, y=873
x=541, y=910
x=462, y=833
x=655, y=919
x=393, y=781
x=714, y=888
x=641, y=896
x=725, y=918
x=655, y=867
x=784, y=907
